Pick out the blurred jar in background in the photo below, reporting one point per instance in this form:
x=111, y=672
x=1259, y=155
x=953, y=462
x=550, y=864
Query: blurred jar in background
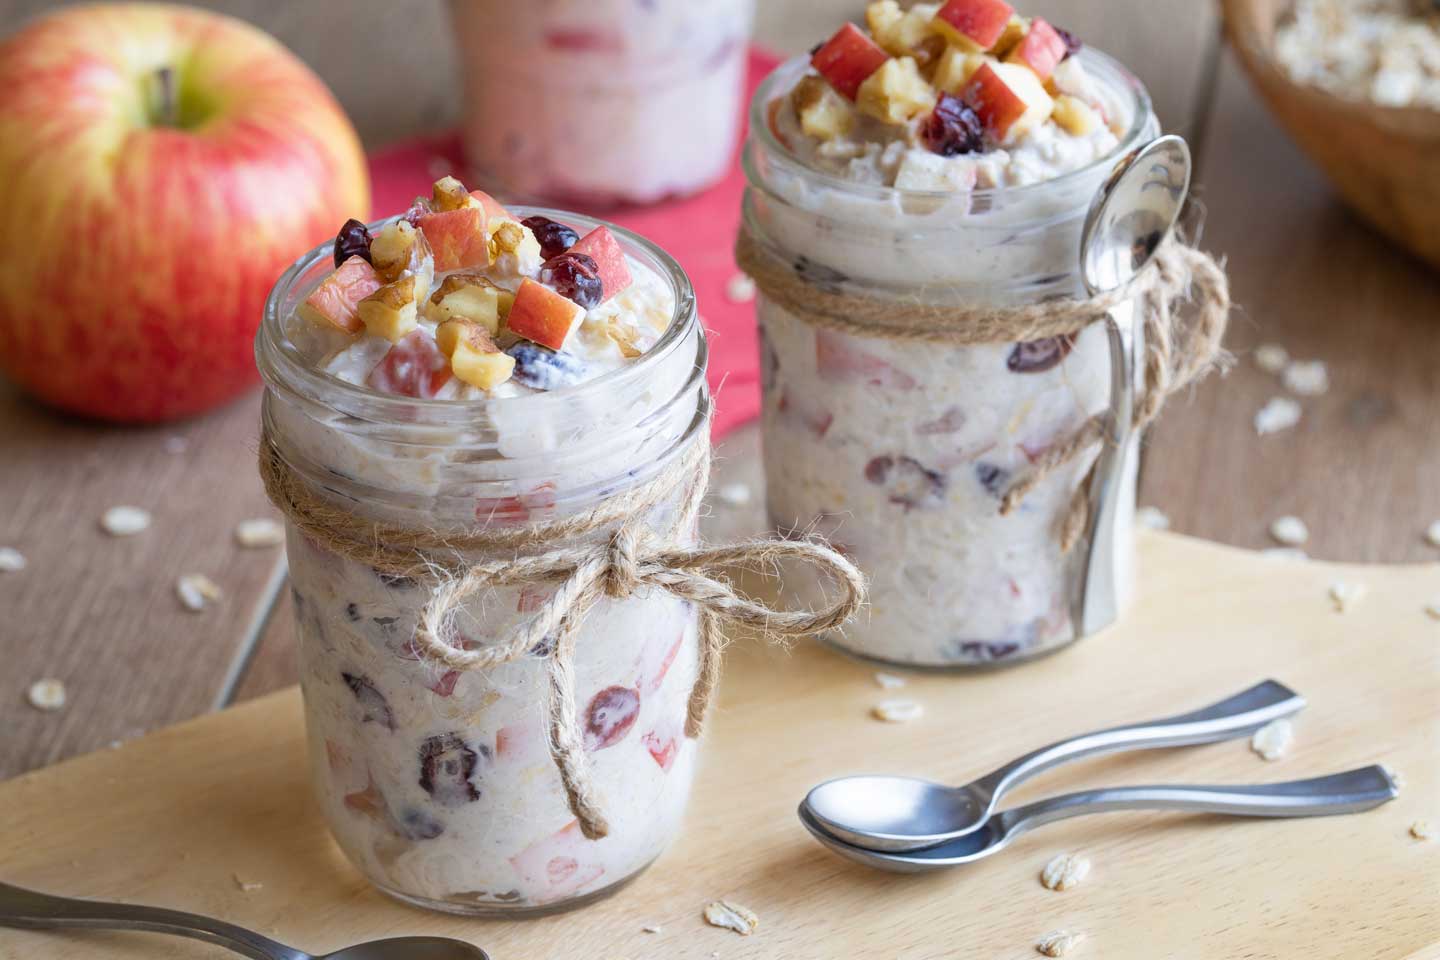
x=595, y=103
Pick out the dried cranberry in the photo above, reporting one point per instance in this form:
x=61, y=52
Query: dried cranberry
x=446, y=765
x=610, y=716
x=555, y=238
x=1072, y=42
x=1037, y=356
x=353, y=240
x=373, y=706
x=952, y=128
x=574, y=275
x=977, y=651
x=992, y=478
x=907, y=482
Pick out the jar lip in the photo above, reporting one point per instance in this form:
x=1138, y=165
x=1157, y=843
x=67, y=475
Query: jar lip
x=1108, y=69
x=282, y=365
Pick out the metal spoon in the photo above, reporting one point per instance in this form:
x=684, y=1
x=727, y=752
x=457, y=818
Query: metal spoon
x=26, y=908
x=1131, y=216
x=1349, y=792
x=904, y=813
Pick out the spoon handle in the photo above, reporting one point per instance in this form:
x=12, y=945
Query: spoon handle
x=28, y=909
x=1349, y=792
x=1233, y=717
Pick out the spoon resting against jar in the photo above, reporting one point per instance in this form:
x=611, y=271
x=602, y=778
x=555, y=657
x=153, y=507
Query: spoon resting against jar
x=29, y=909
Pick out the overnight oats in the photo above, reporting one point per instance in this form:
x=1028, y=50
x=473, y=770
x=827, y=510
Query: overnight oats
x=602, y=102
x=467, y=367
x=941, y=160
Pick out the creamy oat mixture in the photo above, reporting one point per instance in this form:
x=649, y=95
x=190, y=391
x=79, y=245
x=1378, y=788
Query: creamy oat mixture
x=1384, y=51
x=439, y=785
x=900, y=450
x=920, y=105
x=602, y=101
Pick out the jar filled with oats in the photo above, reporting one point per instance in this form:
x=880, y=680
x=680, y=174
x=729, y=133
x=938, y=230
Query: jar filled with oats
x=913, y=188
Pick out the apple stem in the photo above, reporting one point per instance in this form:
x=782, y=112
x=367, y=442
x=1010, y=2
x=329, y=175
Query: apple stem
x=163, y=108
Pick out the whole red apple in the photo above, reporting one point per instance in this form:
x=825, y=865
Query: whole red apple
x=161, y=166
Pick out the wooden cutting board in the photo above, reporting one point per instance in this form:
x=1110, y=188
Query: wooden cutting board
x=188, y=815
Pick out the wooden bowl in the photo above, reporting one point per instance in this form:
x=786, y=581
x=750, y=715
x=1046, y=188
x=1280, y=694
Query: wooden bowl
x=1385, y=161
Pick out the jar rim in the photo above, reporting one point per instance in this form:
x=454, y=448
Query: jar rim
x=284, y=367
x=1110, y=70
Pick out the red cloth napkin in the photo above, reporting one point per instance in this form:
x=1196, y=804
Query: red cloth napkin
x=698, y=231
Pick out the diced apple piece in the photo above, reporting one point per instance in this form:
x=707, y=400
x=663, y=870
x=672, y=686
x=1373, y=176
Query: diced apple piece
x=847, y=59
x=1070, y=77
x=1015, y=31
x=973, y=25
x=896, y=93
x=414, y=367
x=468, y=296
x=1041, y=50
x=457, y=237
x=1075, y=116
x=838, y=359
x=474, y=358
x=955, y=69
x=449, y=193
x=390, y=311
x=823, y=113
x=393, y=247
x=900, y=32
x=1009, y=99
x=335, y=301
x=542, y=315
x=601, y=246
x=494, y=209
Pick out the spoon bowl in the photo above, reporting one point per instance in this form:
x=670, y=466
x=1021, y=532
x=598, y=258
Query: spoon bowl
x=889, y=813
x=410, y=948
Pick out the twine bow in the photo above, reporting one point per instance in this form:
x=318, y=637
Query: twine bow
x=632, y=560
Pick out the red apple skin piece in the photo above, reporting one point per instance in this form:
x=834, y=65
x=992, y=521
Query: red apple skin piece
x=494, y=209
x=542, y=315
x=993, y=101
x=1041, y=50
x=848, y=58
x=601, y=244
x=177, y=231
x=838, y=361
x=458, y=238
x=983, y=21
x=336, y=299
x=414, y=367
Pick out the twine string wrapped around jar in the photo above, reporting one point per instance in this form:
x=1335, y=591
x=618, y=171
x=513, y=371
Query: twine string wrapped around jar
x=1180, y=347
x=630, y=560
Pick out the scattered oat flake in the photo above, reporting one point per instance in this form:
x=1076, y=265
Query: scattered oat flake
x=734, y=494
x=1065, y=870
x=246, y=886
x=1284, y=553
x=1307, y=378
x=196, y=590
x=1271, y=357
x=47, y=694
x=1290, y=531
x=11, y=560
x=1152, y=518
x=1345, y=595
x=1272, y=741
x=654, y=928
x=888, y=681
x=1058, y=943
x=1279, y=413
x=1432, y=534
x=897, y=711
x=125, y=521
x=261, y=532
x=1432, y=609
x=740, y=289
x=731, y=916
x=1422, y=830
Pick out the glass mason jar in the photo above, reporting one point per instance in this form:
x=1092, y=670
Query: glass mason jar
x=439, y=785
x=899, y=450
x=594, y=103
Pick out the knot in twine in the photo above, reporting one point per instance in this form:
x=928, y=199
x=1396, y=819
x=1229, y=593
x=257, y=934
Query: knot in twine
x=1181, y=348
x=633, y=561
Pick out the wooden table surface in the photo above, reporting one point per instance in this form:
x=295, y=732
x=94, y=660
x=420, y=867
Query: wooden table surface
x=100, y=613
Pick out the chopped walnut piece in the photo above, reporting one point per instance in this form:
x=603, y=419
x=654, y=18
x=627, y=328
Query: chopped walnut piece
x=731, y=916
x=1422, y=830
